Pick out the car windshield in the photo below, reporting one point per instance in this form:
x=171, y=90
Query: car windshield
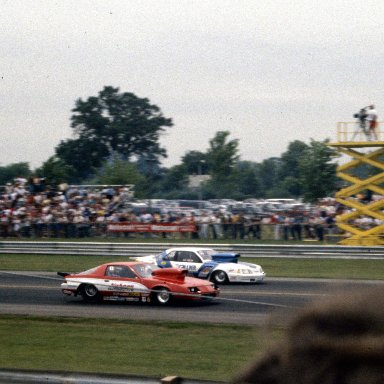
x=206, y=254
x=144, y=270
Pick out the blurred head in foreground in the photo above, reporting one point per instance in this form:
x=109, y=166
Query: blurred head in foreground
x=338, y=341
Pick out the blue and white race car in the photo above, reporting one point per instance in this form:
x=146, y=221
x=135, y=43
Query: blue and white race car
x=206, y=263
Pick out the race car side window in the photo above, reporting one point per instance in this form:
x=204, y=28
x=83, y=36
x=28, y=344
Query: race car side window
x=187, y=256
x=119, y=271
x=111, y=271
x=179, y=256
x=127, y=272
x=195, y=258
x=171, y=256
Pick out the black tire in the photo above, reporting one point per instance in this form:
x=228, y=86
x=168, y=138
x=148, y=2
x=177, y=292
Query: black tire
x=219, y=277
x=89, y=293
x=162, y=296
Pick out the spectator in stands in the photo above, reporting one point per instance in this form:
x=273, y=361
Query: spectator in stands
x=204, y=224
x=318, y=222
x=193, y=220
x=33, y=208
x=254, y=227
x=286, y=226
x=217, y=230
x=5, y=224
x=297, y=226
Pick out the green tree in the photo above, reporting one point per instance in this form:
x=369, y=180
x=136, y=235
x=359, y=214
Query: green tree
x=116, y=171
x=195, y=162
x=269, y=171
x=174, y=184
x=83, y=155
x=123, y=122
x=9, y=172
x=222, y=155
x=112, y=122
x=55, y=170
x=289, y=170
x=290, y=159
x=248, y=182
x=318, y=171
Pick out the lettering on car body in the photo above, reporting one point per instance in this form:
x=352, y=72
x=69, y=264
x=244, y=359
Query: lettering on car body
x=127, y=294
x=189, y=267
x=122, y=285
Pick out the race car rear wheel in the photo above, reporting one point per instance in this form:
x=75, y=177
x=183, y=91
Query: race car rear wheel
x=162, y=296
x=89, y=293
x=219, y=277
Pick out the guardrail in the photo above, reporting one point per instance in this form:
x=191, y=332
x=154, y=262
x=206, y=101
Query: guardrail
x=33, y=377
x=354, y=131
x=141, y=249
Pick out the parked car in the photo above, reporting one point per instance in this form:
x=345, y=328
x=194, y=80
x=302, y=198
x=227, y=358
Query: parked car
x=206, y=263
x=135, y=281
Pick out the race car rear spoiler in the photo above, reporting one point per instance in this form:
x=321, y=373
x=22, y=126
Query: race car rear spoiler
x=63, y=274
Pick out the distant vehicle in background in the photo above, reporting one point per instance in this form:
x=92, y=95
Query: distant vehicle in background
x=248, y=207
x=206, y=263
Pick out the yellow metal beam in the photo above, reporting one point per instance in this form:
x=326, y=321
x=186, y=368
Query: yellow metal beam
x=359, y=184
x=361, y=210
x=374, y=234
x=361, y=158
x=354, y=163
x=357, y=212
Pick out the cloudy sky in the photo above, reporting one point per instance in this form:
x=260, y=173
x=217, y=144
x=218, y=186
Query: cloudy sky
x=269, y=71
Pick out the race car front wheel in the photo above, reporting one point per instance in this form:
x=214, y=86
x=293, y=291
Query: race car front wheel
x=89, y=293
x=219, y=277
x=162, y=296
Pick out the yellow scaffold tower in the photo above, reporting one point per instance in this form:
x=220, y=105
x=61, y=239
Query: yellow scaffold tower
x=363, y=197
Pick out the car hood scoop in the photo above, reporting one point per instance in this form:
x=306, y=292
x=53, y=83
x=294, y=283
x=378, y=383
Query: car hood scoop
x=174, y=274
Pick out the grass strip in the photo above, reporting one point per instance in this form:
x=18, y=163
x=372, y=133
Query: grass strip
x=152, y=349
x=323, y=268
x=274, y=267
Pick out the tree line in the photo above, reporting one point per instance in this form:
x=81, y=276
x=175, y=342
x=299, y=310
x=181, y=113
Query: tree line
x=116, y=141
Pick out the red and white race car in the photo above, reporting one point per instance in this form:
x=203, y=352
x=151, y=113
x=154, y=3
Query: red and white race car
x=135, y=281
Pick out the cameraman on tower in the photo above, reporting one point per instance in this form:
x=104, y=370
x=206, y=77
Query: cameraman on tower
x=362, y=116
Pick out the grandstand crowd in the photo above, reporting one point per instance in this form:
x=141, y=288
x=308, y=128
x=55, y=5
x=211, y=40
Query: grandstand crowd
x=32, y=209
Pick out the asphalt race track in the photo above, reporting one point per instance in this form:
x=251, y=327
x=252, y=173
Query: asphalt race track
x=35, y=293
